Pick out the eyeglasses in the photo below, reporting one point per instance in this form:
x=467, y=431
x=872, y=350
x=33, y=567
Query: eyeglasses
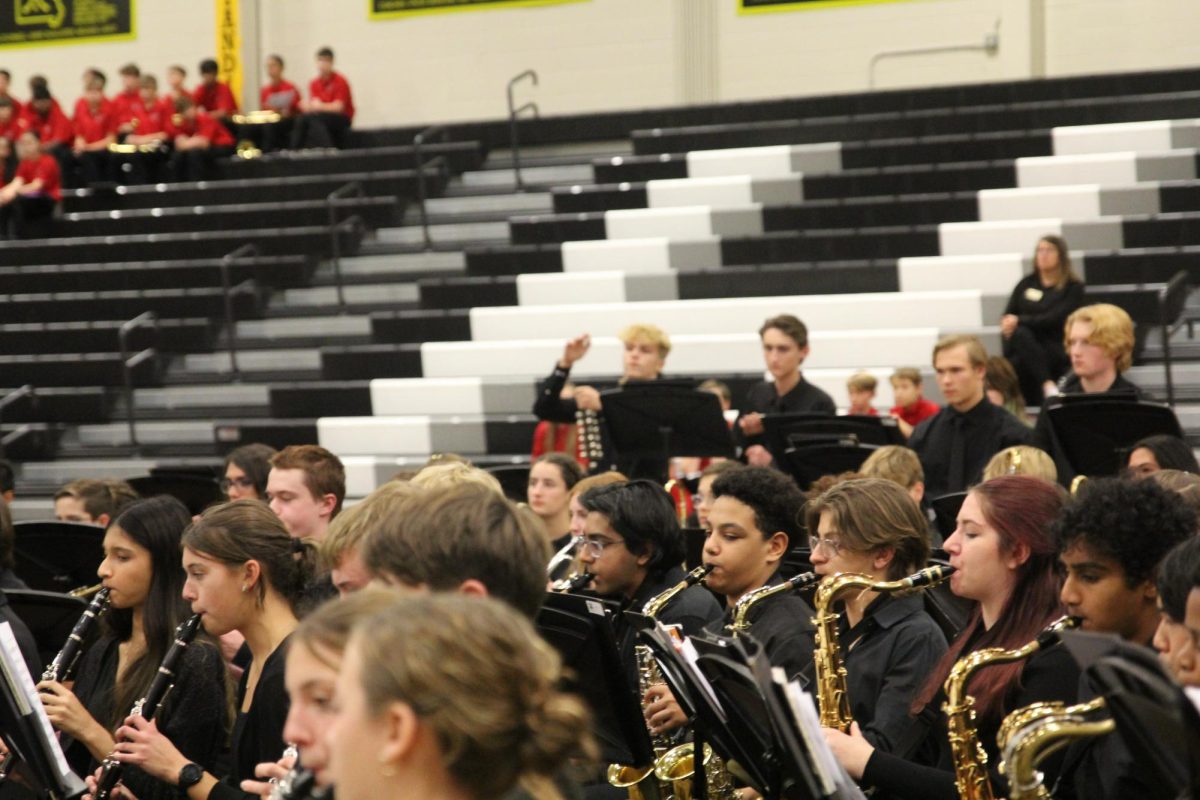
x=832, y=546
x=241, y=483
x=594, y=545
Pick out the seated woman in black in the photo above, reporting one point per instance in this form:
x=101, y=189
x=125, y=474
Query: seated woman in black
x=141, y=570
x=1007, y=561
x=244, y=573
x=1032, y=325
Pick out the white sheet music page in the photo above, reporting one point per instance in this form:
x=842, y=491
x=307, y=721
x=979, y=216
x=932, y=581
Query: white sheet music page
x=825, y=764
x=690, y=656
x=20, y=682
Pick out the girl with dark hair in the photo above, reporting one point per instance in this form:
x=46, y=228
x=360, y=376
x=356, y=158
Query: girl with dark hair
x=1007, y=561
x=1160, y=452
x=244, y=573
x=246, y=471
x=142, y=573
x=551, y=479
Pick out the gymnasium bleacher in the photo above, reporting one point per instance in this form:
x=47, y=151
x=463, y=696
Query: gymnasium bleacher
x=884, y=220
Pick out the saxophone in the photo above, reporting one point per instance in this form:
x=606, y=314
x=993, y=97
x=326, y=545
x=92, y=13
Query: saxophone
x=634, y=778
x=1029, y=735
x=741, y=609
x=574, y=582
x=970, y=759
x=833, y=696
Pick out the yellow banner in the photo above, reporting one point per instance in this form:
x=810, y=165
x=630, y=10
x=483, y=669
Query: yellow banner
x=393, y=9
x=229, y=47
x=767, y=6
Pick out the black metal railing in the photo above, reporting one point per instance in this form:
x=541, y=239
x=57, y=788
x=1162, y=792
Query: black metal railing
x=147, y=319
x=1172, y=299
x=229, y=292
x=13, y=397
x=334, y=200
x=513, y=128
x=419, y=141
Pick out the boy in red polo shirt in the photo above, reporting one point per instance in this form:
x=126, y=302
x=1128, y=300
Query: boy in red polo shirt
x=91, y=75
x=150, y=123
x=912, y=408
x=5, y=80
x=44, y=116
x=199, y=140
x=95, y=126
x=176, y=75
x=212, y=95
x=129, y=101
x=329, y=110
x=34, y=191
x=282, y=96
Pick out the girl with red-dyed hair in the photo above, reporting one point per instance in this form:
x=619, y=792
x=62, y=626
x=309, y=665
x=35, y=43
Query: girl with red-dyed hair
x=1007, y=562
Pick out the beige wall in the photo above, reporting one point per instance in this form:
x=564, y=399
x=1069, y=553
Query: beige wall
x=626, y=54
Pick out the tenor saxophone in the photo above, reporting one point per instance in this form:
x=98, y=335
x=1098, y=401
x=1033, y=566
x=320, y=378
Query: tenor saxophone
x=1037, y=732
x=833, y=698
x=633, y=778
x=970, y=759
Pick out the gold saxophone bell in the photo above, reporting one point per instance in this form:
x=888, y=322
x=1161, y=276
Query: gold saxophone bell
x=246, y=149
x=1038, y=732
x=633, y=780
x=85, y=591
x=678, y=768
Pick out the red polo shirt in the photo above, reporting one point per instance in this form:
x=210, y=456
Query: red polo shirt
x=156, y=119
x=54, y=128
x=209, y=127
x=336, y=88
x=285, y=95
x=15, y=126
x=216, y=97
x=918, y=412
x=94, y=127
x=46, y=168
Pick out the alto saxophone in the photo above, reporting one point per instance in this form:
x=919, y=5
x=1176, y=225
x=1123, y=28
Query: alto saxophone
x=833, y=698
x=1036, y=732
x=633, y=778
x=970, y=759
x=741, y=609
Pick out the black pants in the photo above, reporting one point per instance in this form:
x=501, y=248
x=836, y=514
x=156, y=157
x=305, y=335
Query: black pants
x=1035, y=361
x=26, y=217
x=194, y=165
x=320, y=129
x=95, y=166
x=135, y=169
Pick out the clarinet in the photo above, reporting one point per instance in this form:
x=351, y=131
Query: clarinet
x=63, y=666
x=151, y=702
x=298, y=784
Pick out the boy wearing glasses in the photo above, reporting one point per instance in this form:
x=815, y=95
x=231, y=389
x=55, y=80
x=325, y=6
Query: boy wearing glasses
x=632, y=543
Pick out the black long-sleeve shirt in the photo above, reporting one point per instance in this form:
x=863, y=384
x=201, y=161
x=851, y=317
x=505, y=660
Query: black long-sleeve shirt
x=194, y=716
x=763, y=399
x=987, y=429
x=888, y=656
x=782, y=624
x=1044, y=310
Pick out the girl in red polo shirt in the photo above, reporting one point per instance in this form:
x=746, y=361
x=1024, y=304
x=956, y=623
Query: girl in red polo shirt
x=34, y=191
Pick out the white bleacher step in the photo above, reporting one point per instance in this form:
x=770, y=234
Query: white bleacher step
x=444, y=233
x=1021, y=236
x=363, y=294
x=116, y=434
x=56, y=473
x=467, y=395
x=770, y=160
x=685, y=222
x=956, y=309
x=650, y=254
x=400, y=264
x=730, y=190
x=556, y=288
x=510, y=203
x=1077, y=202
x=1105, y=169
x=692, y=354
x=279, y=360
x=552, y=175
x=284, y=329
x=408, y=435
x=986, y=273
x=30, y=509
x=1138, y=137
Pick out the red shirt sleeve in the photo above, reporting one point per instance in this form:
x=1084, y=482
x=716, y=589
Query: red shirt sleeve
x=336, y=88
x=225, y=99
x=212, y=129
x=45, y=168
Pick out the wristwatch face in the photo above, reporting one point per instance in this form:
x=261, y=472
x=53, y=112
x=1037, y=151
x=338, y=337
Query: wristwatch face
x=190, y=775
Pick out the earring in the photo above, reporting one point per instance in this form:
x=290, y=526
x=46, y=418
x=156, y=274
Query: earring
x=386, y=769
x=245, y=588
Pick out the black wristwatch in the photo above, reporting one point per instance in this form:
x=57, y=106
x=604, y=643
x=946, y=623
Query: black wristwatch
x=189, y=776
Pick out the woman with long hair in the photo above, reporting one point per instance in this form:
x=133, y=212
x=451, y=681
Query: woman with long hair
x=142, y=573
x=1006, y=561
x=447, y=695
x=244, y=573
x=550, y=481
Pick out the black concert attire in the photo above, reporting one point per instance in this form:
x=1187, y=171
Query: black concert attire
x=1036, y=346
x=1043, y=435
x=954, y=446
x=550, y=406
x=763, y=399
x=194, y=716
x=21, y=632
x=782, y=624
x=257, y=733
x=1048, y=675
x=888, y=656
x=9, y=580
x=692, y=609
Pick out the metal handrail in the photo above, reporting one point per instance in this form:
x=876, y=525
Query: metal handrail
x=147, y=319
x=334, y=199
x=227, y=261
x=990, y=45
x=419, y=165
x=1171, y=300
x=513, y=113
x=16, y=394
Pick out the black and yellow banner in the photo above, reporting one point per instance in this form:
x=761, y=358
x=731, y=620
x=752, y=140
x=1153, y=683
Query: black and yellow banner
x=761, y=6
x=36, y=22
x=229, y=46
x=392, y=9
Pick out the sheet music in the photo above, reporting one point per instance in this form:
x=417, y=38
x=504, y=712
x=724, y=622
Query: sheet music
x=824, y=763
x=21, y=685
x=1193, y=694
x=690, y=656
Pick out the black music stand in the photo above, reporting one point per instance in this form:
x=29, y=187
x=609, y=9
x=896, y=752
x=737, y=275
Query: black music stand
x=580, y=629
x=945, y=512
x=782, y=432
x=50, y=616
x=663, y=420
x=806, y=462
x=514, y=480
x=693, y=547
x=27, y=730
x=195, y=491
x=1093, y=432
x=57, y=556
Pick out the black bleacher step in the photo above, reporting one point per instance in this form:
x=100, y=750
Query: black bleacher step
x=279, y=271
x=74, y=369
x=836, y=245
x=414, y=327
x=1142, y=265
x=1161, y=230
x=125, y=305
x=31, y=441
x=172, y=336
x=360, y=362
x=658, y=166
x=376, y=212
x=788, y=279
x=194, y=378
x=58, y=404
x=321, y=399
x=385, y=183
x=468, y=292
x=1038, y=115
x=278, y=433
x=167, y=246
x=513, y=259
x=906, y=180
x=545, y=228
x=459, y=157
x=601, y=197
x=328, y=309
